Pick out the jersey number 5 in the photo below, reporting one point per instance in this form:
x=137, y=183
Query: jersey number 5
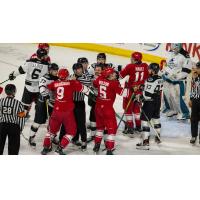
x=60, y=92
x=35, y=74
x=103, y=91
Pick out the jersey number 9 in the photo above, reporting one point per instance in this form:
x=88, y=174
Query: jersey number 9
x=60, y=92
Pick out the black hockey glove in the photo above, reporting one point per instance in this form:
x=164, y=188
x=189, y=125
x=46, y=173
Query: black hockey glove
x=119, y=68
x=47, y=97
x=12, y=77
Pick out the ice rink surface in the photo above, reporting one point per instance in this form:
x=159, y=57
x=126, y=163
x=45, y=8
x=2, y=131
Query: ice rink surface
x=175, y=134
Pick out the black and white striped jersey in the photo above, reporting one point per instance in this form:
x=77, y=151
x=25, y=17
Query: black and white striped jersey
x=34, y=70
x=195, y=88
x=85, y=79
x=12, y=111
x=44, y=91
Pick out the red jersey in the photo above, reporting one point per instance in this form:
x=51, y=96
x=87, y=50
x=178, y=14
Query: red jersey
x=47, y=58
x=107, y=90
x=64, y=93
x=138, y=74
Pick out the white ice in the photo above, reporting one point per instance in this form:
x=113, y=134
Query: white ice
x=175, y=134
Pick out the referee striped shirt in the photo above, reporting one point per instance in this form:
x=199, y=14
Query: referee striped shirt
x=12, y=111
x=85, y=79
x=195, y=88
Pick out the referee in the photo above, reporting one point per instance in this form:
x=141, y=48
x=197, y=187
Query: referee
x=80, y=115
x=195, y=103
x=11, y=121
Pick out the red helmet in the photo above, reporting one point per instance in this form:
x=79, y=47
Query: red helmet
x=108, y=71
x=137, y=56
x=43, y=46
x=63, y=74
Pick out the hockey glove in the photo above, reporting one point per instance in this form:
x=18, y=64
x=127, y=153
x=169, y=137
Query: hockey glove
x=119, y=68
x=12, y=77
x=46, y=98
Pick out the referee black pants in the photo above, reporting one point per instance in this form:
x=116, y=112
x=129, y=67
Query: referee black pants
x=13, y=133
x=80, y=116
x=195, y=117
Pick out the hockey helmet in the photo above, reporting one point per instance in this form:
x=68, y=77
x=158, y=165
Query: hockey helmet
x=101, y=55
x=154, y=67
x=137, y=56
x=82, y=60
x=43, y=46
x=41, y=53
x=53, y=66
x=77, y=66
x=63, y=74
x=107, y=72
x=10, y=89
x=176, y=47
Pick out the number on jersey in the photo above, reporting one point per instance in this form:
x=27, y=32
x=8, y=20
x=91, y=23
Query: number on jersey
x=60, y=92
x=35, y=73
x=103, y=91
x=7, y=110
x=139, y=76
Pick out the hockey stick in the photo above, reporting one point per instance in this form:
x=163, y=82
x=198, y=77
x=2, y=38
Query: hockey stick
x=24, y=137
x=156, y=133
x=4, y=81
x=129, y=102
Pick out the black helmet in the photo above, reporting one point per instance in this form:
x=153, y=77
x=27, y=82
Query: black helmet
x=82, y=60
x=77, y=66
x=101, y=55
x=41, y=53
x=99, y=65
x=154, y=67
x=53, y=66
x=198, y=64
x=10, y=89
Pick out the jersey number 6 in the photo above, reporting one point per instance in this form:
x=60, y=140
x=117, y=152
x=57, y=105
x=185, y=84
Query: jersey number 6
x=35, y=75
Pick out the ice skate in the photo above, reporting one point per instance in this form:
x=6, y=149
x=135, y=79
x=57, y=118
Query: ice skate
x=193, y=140
x=83, y=146
x=31, y=141
x=143, y=145
x=96, y=148
x=59, y=151
x=46, y=150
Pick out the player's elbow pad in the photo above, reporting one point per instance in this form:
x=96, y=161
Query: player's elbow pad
x=21, y=70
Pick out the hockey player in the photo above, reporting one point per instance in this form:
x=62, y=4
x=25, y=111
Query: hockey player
x=151, y=106
x=101, y=59
x=108, y=87
x=175, y=74
x=43, y=46
x=138, y=73
x=34, y=68
x=195, y=103
x=63, y=111
x=92, y=102
x=46, y=98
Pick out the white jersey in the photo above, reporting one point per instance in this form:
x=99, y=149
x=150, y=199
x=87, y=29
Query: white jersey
x=153, y=88
x=178, y=65
x=44, y=91
x=34, y=70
